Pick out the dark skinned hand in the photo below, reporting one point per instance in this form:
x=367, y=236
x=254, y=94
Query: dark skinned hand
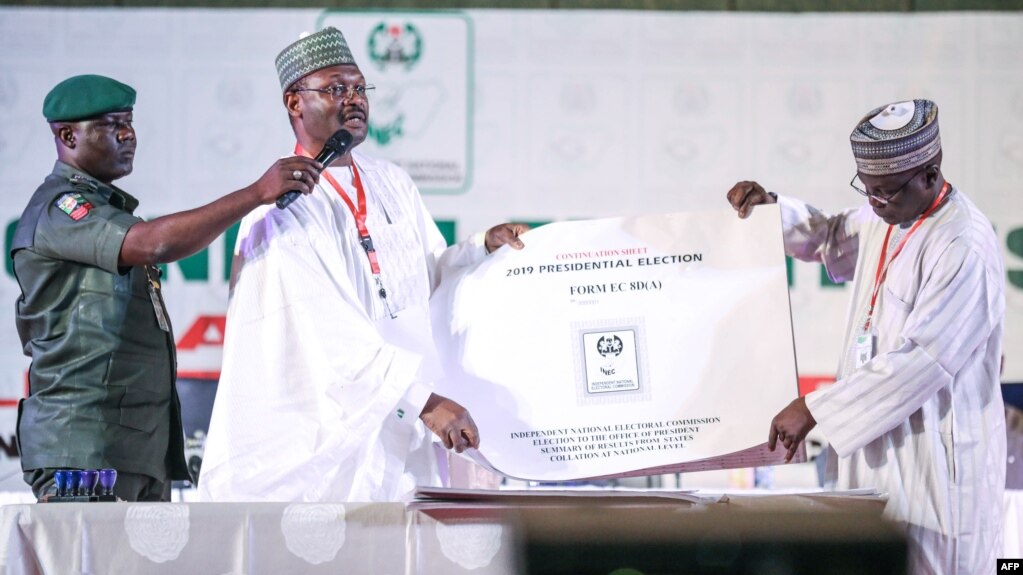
x=280, y=178
x=744, y=195
x=451, y=423
x=790, y=427
x=502, y=234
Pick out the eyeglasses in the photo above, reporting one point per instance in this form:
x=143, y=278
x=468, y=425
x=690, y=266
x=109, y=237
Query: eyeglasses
x=339, y=92
x=885, y=197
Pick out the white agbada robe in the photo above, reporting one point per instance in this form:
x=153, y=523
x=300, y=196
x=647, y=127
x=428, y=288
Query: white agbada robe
x=923, y=420
x=320, y=389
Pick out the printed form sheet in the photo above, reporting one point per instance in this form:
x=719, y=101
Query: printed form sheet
x=623, y=346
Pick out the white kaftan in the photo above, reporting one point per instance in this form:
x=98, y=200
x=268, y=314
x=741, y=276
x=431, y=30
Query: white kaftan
x=923, y=420
x=321, y=389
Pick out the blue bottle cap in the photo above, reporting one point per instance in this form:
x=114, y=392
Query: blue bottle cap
x=107, y=479
x=76, y=481
x=62, y=479
x=89, y=479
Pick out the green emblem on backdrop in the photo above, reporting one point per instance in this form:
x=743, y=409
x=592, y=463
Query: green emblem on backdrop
x=382, y=134
x=393, y=44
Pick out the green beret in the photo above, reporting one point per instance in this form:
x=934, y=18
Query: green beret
x=87, y=96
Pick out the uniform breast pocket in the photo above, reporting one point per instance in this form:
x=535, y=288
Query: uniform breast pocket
x=143, y=390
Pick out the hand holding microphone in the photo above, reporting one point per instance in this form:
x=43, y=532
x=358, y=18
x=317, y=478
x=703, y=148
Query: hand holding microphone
x=335, y=147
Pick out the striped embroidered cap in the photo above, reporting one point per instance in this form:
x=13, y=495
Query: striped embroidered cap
x=314, y=52
x=896, y=138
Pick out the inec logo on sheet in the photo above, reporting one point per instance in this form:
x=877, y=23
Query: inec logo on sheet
x=609, y=346
x=614, y=365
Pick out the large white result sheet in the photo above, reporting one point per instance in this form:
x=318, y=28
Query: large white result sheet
x=623, y=346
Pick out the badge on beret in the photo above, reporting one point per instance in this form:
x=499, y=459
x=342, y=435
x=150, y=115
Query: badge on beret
x=74, y=205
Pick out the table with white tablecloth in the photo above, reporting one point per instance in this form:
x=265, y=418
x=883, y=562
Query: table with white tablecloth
x=476, y=535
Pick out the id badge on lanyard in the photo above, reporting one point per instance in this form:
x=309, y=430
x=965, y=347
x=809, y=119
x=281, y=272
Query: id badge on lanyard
x=359, y=213
x=866, y=343
x=154, y=294
x=865, y=349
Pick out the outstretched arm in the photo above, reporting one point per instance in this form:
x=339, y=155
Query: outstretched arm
x=809, y=234
x=175, y=236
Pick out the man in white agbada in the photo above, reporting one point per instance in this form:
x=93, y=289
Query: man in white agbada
x=328, y=357
x=916, y=411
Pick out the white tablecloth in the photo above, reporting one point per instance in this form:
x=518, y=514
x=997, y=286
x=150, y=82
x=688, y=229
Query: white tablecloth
x=440, y=537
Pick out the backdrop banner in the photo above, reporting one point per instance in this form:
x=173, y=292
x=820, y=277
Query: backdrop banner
x=523, y=115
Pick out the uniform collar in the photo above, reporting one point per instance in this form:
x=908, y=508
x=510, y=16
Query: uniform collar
x=117, y=197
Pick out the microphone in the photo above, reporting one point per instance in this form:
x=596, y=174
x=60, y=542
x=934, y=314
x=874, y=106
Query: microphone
x=333, y=148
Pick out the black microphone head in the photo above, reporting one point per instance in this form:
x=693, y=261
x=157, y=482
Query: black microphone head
x=340, y=141
x=335, y=146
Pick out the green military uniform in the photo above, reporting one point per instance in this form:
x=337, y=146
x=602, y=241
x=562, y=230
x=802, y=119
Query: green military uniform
x=101, y=383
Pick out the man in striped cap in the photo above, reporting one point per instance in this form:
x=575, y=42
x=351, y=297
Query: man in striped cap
x=329, y=359
x=916, y=411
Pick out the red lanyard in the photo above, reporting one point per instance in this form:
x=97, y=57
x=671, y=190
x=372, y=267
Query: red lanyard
x=360, y=222
x=882, y=265
x=358, y=213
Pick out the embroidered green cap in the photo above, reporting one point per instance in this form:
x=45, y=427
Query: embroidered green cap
x=87, y=96
x=310, y=53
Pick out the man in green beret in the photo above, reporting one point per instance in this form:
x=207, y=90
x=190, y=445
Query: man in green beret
x=91, y=314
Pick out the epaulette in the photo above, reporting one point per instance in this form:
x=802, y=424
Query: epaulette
x=83, y=184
